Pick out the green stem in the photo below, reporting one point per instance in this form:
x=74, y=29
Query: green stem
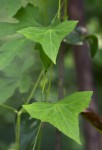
x=50, y=80
x=43, y=88
x=37, y=135
x=57, y=13
x=59, y=9
x=45, y=13
x=53, y=20
x=21, y=111
x=35, y=86
x=65, y=9
x=18, y=130
x=9, y=107
x=44, y=84
x=39, y=140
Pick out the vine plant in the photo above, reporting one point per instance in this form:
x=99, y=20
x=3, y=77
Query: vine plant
x=23, y=31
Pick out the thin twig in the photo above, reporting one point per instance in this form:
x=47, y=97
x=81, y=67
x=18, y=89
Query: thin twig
x=35, y=86
x=36, y=138
x=9, y=108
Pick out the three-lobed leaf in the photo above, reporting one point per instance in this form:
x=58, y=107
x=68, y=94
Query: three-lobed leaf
x=62, y=114
x=26, y=17
x=49, y=37
x=16, y=74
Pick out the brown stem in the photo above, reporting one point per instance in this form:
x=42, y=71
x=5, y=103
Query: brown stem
x=84, y=74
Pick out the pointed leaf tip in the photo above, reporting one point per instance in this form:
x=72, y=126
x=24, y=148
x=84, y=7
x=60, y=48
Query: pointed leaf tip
x=49, y=37
x=63, y=114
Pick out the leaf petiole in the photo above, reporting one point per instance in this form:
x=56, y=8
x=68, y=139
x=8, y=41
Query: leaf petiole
x=36, y=138
x=9, y=108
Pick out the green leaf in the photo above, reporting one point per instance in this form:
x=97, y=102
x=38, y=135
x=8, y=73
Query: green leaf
x=17, y=73
x=28, y=16
x=25, y=83
x=93, y=42
x=9, y=8
x=49, y=37
x=74, y=38
x=10, y=49
x=46, y=61
x=24, y=2
x=7, y=88
x=62, y=114
x=40, y=3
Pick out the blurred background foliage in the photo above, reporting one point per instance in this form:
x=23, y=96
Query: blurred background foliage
x=17, y=79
